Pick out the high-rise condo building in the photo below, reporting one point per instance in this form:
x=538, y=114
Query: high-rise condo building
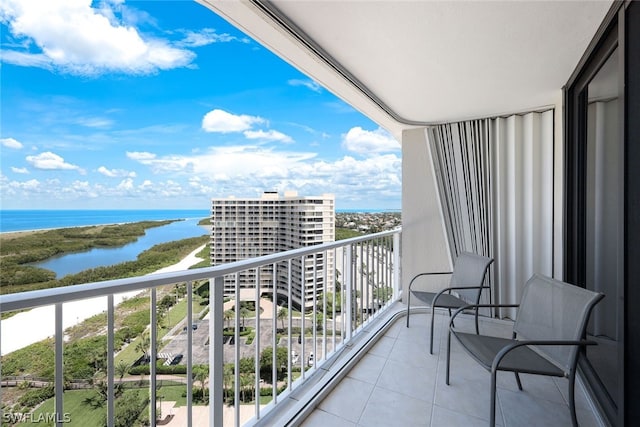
x=252, y=227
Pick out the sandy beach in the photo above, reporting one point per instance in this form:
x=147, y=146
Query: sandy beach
x=35, y=325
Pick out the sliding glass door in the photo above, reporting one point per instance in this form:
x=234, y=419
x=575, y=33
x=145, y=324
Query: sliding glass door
x=602, y=208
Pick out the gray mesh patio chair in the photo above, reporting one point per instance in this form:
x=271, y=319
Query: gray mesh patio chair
x=547, y=335
x=467, y=280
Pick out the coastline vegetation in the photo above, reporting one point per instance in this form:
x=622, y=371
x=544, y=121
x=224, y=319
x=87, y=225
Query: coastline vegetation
x=17, y=250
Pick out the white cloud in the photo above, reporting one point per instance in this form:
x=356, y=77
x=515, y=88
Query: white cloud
x=224, y=122
x=23, y=171
x=83, y=189
x=51, y=161
x=270, y=135
x=248, y=170
x=374, y=181
x=309, y=84
x=362, y=141
x=115, y=173
x=205, y=37
x=126, y=184
x=140, y=155
x=11, y=143
x=71, y=36
x=94, y=122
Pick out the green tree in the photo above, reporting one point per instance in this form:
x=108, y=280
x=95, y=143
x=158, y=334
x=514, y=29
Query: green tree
x=228, y=315
x=200, y=374
x=247, y=365
x=228, y=376
x=283, y=313
x=128, y=408
x=266, y=363
x=122, y=368
x=143, y=345
x=244, y=312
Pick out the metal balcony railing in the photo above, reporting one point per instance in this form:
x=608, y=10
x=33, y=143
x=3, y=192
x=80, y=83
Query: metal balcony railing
x=307, y=318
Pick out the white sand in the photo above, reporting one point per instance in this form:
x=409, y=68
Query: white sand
x=37, y=324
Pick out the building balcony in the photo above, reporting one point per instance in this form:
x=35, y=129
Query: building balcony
x=396, y=382
x=346, y=359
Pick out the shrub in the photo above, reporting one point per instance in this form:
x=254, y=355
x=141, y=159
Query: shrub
x=160, y=369
x=267, y=391
x=33, y=397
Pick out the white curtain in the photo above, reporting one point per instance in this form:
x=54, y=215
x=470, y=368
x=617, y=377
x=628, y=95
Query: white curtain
x=495, y=178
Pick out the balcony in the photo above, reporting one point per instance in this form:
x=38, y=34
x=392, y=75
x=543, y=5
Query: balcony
x=396, y=382
x=353, y=367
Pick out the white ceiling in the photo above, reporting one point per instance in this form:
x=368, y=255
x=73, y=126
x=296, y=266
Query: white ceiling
x=430, y=61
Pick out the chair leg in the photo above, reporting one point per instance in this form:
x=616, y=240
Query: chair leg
x=433, y=319
x=477, y=328
x=492, y=413
x=518, y=381
x=408, y=306
x=448, y=357
x=572, y=398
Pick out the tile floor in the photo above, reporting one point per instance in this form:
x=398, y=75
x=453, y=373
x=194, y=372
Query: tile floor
x=398, y=383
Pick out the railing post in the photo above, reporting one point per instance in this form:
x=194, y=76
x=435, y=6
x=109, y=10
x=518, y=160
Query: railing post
x=59, y=368
x=111, y=414
x=153, y=356
x=396, y=265
x=347, y=289
x=289, y=323
x=216, y=362
x=256, y=340
x=190, y=354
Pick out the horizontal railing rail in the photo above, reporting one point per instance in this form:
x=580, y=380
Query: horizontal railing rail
x=272, y=322
x=30, y=299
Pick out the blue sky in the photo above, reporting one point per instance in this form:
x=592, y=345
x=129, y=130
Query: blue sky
x=163, y=104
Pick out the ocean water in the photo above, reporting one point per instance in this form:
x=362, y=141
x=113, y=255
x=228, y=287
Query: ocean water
x=23, y=220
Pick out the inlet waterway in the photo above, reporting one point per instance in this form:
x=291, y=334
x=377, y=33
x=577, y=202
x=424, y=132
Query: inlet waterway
x=98, y=257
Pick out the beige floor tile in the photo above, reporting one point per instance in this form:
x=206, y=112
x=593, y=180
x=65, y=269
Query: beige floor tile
x=348, y=399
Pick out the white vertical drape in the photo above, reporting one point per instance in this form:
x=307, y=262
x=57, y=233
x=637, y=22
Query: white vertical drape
x=495, y=178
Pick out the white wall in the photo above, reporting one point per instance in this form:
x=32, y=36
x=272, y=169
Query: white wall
x=424, y=243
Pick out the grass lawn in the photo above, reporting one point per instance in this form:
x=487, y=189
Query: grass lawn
x=80, y=415
x=173, y=393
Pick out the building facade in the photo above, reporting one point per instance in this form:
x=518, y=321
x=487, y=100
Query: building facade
x=252, y=227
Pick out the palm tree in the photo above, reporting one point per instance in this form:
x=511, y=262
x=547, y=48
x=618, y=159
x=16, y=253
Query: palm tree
x=143, y=345
x=228, y=376
x=247, y=382
x=122, y=368
x=228, y=315
x=244, y=312
x=282, y=314
x=200, y=373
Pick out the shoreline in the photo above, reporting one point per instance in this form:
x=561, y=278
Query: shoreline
x=37, y=324
x=10, y=234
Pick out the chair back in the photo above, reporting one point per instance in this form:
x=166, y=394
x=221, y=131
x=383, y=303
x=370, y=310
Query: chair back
x=470, y=270
x=554, y=310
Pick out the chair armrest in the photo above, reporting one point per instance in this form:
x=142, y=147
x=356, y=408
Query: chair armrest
x=456, y=288
x=426, y=274
x=467, y=307
x=502, y=353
